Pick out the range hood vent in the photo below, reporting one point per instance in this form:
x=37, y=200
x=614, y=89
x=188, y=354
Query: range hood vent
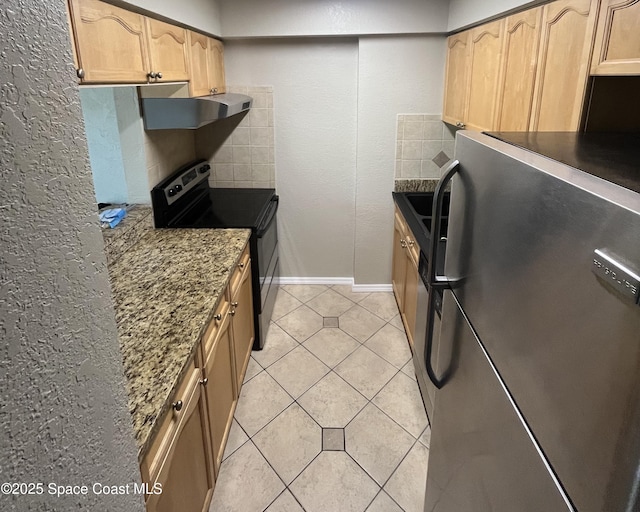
x=191, y=113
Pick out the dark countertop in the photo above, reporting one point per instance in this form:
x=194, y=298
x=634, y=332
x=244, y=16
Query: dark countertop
x=614, y=157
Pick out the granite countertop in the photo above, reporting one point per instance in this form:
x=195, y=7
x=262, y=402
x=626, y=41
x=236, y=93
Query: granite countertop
x=165, y=289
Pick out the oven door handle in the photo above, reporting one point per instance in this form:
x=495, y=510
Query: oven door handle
x=269, y=217
x=435, y=281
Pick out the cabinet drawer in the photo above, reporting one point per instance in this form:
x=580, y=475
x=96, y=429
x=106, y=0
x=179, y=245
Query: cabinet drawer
x=244, y=263
x=169, y=426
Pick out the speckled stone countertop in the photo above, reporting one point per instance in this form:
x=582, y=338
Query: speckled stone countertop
x=421, y=185
x=128, y=232
x=165, y=289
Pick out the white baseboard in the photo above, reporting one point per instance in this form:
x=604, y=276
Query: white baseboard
x=362, y=288
x=315, y=280
x=368, y=288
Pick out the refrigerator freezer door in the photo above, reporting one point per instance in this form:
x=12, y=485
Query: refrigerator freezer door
x=481, y=457
x=523, y=231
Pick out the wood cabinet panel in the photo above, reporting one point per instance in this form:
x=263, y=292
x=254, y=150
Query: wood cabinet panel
x=206, y=57
x=186, y=473
x=519, y=59
x=617, y=44
x=242, y=324
x=220, y=389
x=404, y=274
x=110, y=43
x=456, y=77
x=485, y=49
x=198, y=64
x=167, y=50
x=411, y=301
x=561, y=78
x=399, y=269
x=216, y=66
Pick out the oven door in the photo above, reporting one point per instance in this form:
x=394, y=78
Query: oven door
x=267, y=266
x=267, y=240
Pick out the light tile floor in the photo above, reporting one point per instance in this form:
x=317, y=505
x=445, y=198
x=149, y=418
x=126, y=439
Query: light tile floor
x=330, y=417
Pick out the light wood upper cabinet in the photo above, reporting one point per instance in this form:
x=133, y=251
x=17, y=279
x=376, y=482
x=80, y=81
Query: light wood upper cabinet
x=617, y=43
x=199, y=63
x=485, y=49
x=563, y=64
x=167, y=50
x=456, y=78
x=517, y=76
x=113, y=45
x=110, y=43
x=216, y=57
x=207, y=65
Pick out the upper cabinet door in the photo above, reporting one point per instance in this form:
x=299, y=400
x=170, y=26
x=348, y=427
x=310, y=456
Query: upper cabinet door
x=199, y=64
x=167, y=50
x=110, y=43
x=456, y=78
x=617, y=46
x=518, y=72
x=485, y=49
x=568, y=28
x=216, y=67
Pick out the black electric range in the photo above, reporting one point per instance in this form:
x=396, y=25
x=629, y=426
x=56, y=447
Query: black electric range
x=185, y=200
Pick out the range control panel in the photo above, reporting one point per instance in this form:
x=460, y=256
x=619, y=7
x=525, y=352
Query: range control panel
x=184, y=180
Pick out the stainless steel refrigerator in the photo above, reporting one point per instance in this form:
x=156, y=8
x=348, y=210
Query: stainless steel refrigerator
x=538, y=358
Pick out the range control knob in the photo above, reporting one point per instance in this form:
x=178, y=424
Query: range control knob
x=178, y=188
x=171, y=192
x=204, y=168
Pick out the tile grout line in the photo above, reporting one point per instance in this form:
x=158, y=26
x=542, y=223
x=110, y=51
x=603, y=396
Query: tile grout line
x=331, y=369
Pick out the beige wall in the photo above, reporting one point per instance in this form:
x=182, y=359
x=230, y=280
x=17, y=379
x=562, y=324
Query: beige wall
x=315, y=100
x=468, y=12
x=200, y=14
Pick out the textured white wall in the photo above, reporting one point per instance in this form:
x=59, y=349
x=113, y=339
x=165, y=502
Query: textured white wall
x=395, y=75
x=201, y=14
x=315, y=103
x=467, y=12
x=257, y=18
x=64, y=416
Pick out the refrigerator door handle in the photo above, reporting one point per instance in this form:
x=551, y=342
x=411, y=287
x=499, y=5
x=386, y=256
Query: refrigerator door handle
x=436, y=282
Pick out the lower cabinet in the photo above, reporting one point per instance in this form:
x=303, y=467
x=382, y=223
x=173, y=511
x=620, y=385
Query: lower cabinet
x=404, y=274
x=242, y=317
x=183, y=454
x=186, y=454
x=220, y=386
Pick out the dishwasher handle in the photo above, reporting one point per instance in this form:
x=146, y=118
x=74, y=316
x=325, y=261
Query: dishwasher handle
x=436, y=282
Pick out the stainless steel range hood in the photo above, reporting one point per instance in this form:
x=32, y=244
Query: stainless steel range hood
x=191, y=113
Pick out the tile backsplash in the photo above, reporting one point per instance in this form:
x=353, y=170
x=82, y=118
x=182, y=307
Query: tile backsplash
x=424, y=145
x=166, y=151
x=242, y=154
